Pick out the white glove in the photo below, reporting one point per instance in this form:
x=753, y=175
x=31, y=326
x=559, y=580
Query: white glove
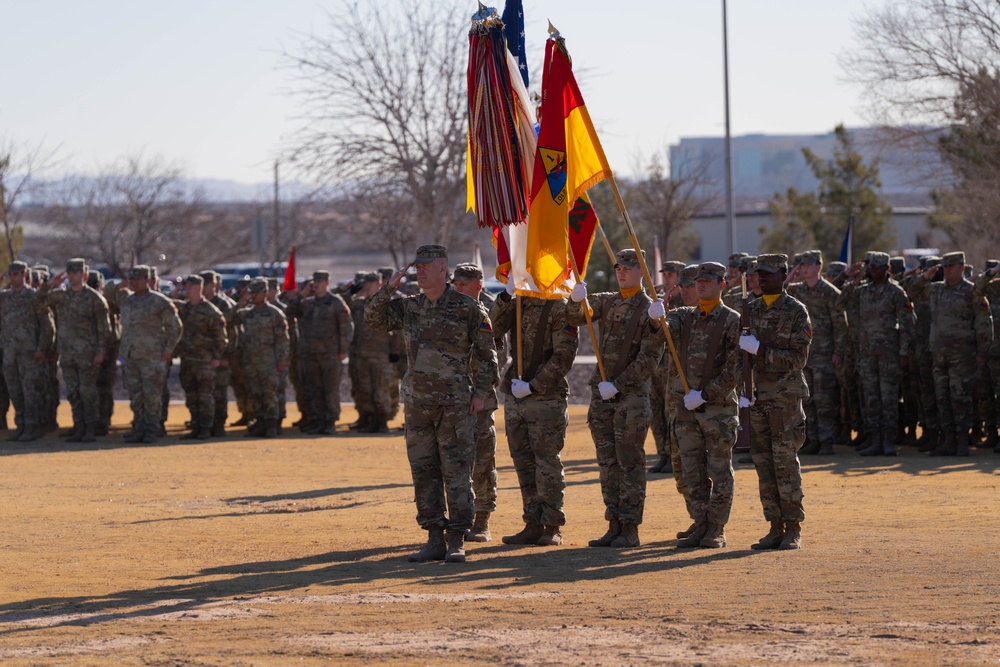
x=607, y=390
x=579, y=292
x=519, y=388
x=747, y=402
x=656, y=310
x=750, y=344
x=511, y=290
x=693, y=400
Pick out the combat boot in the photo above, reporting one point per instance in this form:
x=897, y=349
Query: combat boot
x=363, y=420
x=31, y=433
x=256, y=429
x=203, y=433
x=614, y=530
x=810, y=447
x=992, y=439
x=715, y=537
x=875, y=447
x=271, y=428
x=102, y=429
x=75, y=434
x=219, y=429
x=480, y=528
x=89, y=433
x=134, y=436
x=329, y=427
x=191, y=435
x=947, y=446
x=530, y=534
x=382, y=426
x=16, y=435
x=681, y=534
x=773, y=538
x=962, y=444
x=928, y=440
x=695, y=538
x=456, y=547
x=149, y=437
x=433, y=550
x=551, y=537
x=663, y=462
x=629, y=536
x=793, y=536
x=242, y=421
x=316, y=428
x=888, y=447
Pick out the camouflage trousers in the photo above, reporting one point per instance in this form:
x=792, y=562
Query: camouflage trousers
x=659, y=422
x=484, y=470
x=536, y=434
x=777, y=430
x=80, y=375
x=850, y=387
x=261, y=384
x=928, y=412
x=986, y=392
x=295, y=377
x=322, y=376
x=954, y=375
x=144, y=379
x=706, y=440
x=165, y=392
x=880, y=388
x=220, y=392
x=441, y=448
x=23, y=374
x=4, y=398
x=198, y=382
x=50, y=389
x=821, y=405
x=106, y=376
x=238, y=381
x=619, y=430
x=372, y=384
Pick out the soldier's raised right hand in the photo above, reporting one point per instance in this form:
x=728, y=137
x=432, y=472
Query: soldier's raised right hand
x=396, y=278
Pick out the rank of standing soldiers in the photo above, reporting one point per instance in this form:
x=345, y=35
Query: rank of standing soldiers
x=854, y=355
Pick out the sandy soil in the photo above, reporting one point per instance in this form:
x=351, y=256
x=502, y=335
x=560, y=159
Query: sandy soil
x=269, y=552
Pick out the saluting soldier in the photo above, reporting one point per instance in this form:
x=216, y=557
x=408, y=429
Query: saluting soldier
x=988, y=285
x=374, y=354
x=201, y=349
x=619, y=406
x=265, y=356
x=212, y=292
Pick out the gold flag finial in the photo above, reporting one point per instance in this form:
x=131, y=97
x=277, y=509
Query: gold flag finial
x=552, y=30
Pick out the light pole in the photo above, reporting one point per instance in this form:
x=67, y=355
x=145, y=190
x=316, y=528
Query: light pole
x=730, y=221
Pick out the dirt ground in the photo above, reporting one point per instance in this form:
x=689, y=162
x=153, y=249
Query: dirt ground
x=293, y=551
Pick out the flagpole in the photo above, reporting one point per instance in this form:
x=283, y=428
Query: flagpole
x=607, y=246
x=649, y=280
x=520, y=338
x=590, y=321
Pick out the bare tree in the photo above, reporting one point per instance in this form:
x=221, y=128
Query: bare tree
x=383, y=219
x=385, y=103
x=19, y=168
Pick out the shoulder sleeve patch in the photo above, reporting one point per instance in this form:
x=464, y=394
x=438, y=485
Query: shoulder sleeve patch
x=984, y=304
x=486, y=326
x=909, y=305
x=570, y=329
x=808, y=329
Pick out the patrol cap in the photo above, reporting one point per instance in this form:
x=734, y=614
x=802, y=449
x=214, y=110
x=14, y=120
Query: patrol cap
x=324, y=276
x=836, y=268
x=927, y=261
x=430, y=252
x=95, y=279
x=711, y=271
x=194, y=279
x=991, y=263
x=76, y=264
x=468, y=272
x=672, y=265
x=244, y=282
x=734, y=259
x=688, y=275
x=272, y=283
x=628, y=258
x=258, y=285
x=386, y=272
x=952, y=258
x=745, y=262
x=17, y=267
x=796, y=259
x=41, y=268
x=139, y=271
x=358, y=276
x=771, y=263
x=897, y=264
x=878, y=259
x=210, y=277
x=153, y=271
x=811, y=257
x=372, y=277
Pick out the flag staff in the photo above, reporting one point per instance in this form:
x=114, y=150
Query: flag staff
x=587, y=314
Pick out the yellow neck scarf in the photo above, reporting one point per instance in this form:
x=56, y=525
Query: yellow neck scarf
x=769, y=299
x=630, y=292
x=706, y=306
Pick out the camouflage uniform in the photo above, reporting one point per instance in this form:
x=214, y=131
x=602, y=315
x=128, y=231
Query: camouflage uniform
x=536, y=424
x=630, y=350
x=26, y=333
x=223, y=374
x=108, y=372
x=264, y=347
x=50, y=372
x=989, y=287
x=204, y=340
x=829, y=337
x=484, y=470
x=84, y=332
x=924, y=368
x=441, y=337
x=373, y=353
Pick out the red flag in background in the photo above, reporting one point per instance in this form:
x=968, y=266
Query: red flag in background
x=289, y=283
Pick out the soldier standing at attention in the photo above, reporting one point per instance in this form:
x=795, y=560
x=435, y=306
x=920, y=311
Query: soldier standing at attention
x=374, y=354
x=442, y=392
x=619, y=407
x=660, y=418
x=26, y=336
x=211, y=292
x=707, y=342
x=468, y=280
x=108, y=372
x=961, y=334
x=265, y=357
x=779, y=339
x=151, y=329
x=201, y=350
x=325, y=328
x=829, y=337
x=83, y=337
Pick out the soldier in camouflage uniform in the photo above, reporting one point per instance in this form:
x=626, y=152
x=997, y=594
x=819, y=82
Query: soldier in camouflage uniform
x=201, y=350
x=619, y=406
x=26, y=336
x=688, y=288
x=151, y=329
x=49, y=378
x=826, y=353
x=374, y=354
x=108, y=371
x=326, y=329
x=779, y=338
x=442, y=391
x=264, y=347
x=988, y=285
x=468, y=280
x=961, y=335
x=82, y=335
x=733, y=297
x=237, y=376
x=707, y=343
x=212, y=292
x=885, y=328
x=535, y=409
x=659, y=421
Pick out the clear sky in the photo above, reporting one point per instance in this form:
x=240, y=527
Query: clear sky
x=200, y=83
